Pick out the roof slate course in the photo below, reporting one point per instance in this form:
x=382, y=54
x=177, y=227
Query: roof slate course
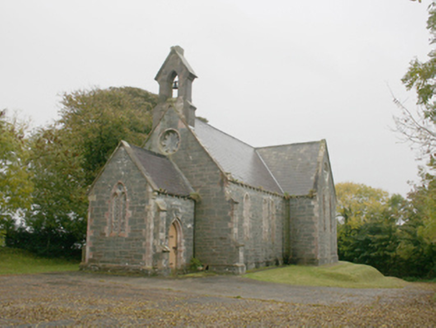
x=290, y=168
x=235, y=157
x=286, y=168
x=163, y=172
x=294, y=165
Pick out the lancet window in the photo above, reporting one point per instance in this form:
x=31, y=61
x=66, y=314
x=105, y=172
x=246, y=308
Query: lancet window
x=246, y=213
x=118, y=212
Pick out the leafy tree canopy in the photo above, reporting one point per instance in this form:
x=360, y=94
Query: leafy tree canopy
x=94, y=122
x=420, y=127
x=423, y=206
x=387, y=232
x=15, y=185
x=358, y=203
x=66, y=157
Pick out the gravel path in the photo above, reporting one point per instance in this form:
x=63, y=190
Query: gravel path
x=85, y=299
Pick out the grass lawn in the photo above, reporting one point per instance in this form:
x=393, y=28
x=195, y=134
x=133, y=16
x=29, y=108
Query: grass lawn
x=343, y=274
x=17, y=261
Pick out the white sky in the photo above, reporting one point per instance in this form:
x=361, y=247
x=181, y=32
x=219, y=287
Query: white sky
x=274, y=72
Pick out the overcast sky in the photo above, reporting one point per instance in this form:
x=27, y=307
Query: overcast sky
x=275, y=72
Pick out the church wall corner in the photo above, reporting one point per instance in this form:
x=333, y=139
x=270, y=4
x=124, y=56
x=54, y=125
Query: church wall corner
x=143, y=249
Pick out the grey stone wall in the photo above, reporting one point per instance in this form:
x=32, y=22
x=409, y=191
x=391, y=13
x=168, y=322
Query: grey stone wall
x=304, y=230
x=165, y=211
x=313, y=220
x=238, y=227
x=230, y=235
x=326, y=198
x=213, y=243
x=117, y=250
x=149, y=215
x=259, y=226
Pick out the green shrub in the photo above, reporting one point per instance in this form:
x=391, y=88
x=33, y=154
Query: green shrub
x=195, y=264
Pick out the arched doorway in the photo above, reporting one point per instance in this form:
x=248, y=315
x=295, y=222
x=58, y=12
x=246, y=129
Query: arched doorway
x=173, y=243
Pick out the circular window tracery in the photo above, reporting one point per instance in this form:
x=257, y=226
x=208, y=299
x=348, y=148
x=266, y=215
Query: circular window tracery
x=170, y=141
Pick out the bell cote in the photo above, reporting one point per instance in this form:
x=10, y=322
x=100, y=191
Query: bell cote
x=175, y=79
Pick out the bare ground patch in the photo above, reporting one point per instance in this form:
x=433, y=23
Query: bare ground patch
x=80, y=299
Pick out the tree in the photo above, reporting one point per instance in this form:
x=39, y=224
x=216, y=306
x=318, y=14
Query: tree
x=420, y=127
x=358, y=203
x=386, y=232
x=56, y=223
x=368, y=230
x=95, y=121
x=423, y=200
x=416, y=255
x=15, y=185
x=67, y=156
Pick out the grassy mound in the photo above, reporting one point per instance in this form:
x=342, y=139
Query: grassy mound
x=343, y=274
x=17, y=261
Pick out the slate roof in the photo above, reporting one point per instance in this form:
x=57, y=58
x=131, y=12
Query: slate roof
x=236, y=157
x=294, y=166
x=287, y=168
x=162, y=172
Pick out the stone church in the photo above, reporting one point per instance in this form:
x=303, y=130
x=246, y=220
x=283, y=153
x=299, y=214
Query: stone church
x=193, y=191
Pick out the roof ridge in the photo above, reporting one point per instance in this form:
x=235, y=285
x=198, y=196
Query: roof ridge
x=291, y=144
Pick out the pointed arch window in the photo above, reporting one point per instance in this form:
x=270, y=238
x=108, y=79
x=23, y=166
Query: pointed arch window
x=118, y=211
x=246, y=213
x=174, y=78
x=265, y=218
x=175, y=88
x=268, y=219
x=272, y=213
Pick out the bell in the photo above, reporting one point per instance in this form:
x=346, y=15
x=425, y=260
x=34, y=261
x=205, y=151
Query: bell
x=175, y=85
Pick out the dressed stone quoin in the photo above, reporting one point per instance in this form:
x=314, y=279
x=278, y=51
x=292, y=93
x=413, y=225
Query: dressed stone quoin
x=193, y=191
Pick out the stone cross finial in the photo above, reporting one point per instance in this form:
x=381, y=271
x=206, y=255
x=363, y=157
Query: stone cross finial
x=179, y=49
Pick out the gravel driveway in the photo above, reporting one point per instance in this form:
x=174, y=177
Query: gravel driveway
x=85, y=299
